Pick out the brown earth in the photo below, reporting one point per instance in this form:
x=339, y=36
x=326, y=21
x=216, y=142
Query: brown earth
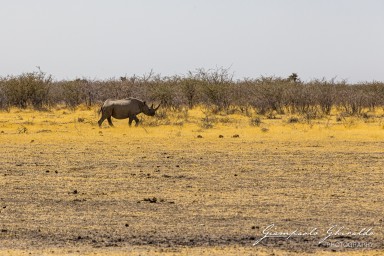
x=129, y=190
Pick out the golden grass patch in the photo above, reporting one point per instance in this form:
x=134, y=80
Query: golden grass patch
x=172, y=187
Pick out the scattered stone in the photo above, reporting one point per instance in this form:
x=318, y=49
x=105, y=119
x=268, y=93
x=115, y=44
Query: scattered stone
x=41, y=131
x=151, y=200
x=126, y=224
x=221, y=136
x=47, y=171
x=80, y=200
x=32, y=141
x=199, y=136
x=75, y=192
x=177, y=166
x=236, y=136
x=111, y=245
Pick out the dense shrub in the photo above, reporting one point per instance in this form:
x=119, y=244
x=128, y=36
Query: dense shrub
x=25, y=89
x=214, y=89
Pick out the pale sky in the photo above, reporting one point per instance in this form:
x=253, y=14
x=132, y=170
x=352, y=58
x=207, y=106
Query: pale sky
x=104, y=39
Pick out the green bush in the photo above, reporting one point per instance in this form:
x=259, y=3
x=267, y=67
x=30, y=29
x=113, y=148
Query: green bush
x=27, y=89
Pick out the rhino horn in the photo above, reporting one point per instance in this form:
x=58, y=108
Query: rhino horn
x=152, y=106
x=157, y=106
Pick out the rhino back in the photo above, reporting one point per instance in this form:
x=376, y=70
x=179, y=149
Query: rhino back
x=124, y=108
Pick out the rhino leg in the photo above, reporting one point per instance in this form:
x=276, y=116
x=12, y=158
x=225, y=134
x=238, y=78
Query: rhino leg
x=110, y=121
x=136, y=120
x=101, y=120
x=105, y=114
x=130, y=121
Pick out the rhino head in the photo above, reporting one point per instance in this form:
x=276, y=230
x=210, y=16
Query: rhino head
x=150, y=111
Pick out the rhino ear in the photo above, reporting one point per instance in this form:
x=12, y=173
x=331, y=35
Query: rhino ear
x=145, y=103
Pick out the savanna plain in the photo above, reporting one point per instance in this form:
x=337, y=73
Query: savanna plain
x=185, y=183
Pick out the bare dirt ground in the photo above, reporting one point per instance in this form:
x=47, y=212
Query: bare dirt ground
x=72, y=188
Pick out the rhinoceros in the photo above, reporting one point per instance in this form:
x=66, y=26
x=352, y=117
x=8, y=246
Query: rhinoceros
x=125, y=108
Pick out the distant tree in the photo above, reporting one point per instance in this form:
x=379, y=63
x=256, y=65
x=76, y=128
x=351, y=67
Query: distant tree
x=294, y=78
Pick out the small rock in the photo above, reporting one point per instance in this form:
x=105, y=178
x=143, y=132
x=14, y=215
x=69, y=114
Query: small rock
x=236, y=136
x=151, y=200
x=126, y=224
x=221, y=136
x=199, y=136
x=32, y=141
x=75, y=191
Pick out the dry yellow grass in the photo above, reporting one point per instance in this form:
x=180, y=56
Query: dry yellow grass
x=69, y=187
